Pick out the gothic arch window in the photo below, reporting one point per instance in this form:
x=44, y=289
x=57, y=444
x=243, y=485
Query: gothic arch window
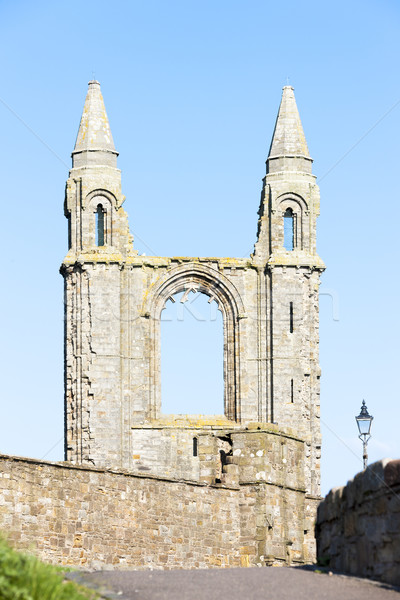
x=208, y=281
x=289, y=229
x=97, y=217
x=100, y=222
x=293, y=226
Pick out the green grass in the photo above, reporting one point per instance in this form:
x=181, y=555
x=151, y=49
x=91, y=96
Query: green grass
x=24, y=577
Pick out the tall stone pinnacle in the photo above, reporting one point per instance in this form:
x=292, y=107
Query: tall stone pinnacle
x=94, y=143
x=288, y=150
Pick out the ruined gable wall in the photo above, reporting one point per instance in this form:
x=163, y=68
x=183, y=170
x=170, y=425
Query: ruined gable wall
x=113, y=345
x=113, y=350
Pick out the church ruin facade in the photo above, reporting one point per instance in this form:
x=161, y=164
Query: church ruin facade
x=269, y=434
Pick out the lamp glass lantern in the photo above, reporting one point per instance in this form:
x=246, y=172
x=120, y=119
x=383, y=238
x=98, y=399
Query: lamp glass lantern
x=364, y=421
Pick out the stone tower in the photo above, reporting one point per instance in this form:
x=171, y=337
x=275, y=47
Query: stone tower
x=269, y=434
x=286, y=252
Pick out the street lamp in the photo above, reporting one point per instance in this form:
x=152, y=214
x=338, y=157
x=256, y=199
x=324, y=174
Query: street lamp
x=364, y=421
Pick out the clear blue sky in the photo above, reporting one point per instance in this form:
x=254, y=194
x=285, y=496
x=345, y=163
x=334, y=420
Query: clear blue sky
x=192, y=90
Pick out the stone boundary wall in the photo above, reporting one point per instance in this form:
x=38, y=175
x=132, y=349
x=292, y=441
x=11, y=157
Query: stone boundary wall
x=358, y=525
x=91, y=518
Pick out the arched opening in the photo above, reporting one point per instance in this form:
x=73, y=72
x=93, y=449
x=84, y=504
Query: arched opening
x=192, y=345
x=288, y=229
x=100, y=225
x=207, y=280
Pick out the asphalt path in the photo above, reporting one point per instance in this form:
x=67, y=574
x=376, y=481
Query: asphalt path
x=265, y=583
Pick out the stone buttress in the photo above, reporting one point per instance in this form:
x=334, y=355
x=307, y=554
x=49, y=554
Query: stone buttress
x=269, y=436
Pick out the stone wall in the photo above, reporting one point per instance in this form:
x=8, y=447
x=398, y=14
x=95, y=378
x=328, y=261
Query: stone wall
x=91, y=517
x=358, y=526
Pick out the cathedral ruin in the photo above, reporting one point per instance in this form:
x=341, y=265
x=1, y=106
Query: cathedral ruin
x=267, y=443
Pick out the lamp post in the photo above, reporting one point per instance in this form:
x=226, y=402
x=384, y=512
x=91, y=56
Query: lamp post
x=364, y=421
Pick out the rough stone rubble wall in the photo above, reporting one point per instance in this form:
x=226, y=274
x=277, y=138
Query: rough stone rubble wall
x=358, y=525
x=88, y=517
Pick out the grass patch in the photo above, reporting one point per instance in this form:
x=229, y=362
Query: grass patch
x=24, y=577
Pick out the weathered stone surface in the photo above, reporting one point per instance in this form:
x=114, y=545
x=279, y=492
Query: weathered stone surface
x=391, y=472
x=269, y=302
x=358, y=526
x=90, y=517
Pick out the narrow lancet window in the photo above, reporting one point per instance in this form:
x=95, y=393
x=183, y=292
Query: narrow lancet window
x=291, y=391
x=195, y=447
x=99, y=226
x=69, y=233
x=291, y=316
x=288, y=229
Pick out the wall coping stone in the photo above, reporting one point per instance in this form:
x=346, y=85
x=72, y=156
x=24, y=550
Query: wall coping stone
x=374, y=480
x=208, y=425
x=391, y=473
x=93, y=469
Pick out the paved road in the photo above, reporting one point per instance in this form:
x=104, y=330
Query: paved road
x=267, y=583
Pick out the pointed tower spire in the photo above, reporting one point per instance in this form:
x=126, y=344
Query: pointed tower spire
x=94, y=143
x=288, y=150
